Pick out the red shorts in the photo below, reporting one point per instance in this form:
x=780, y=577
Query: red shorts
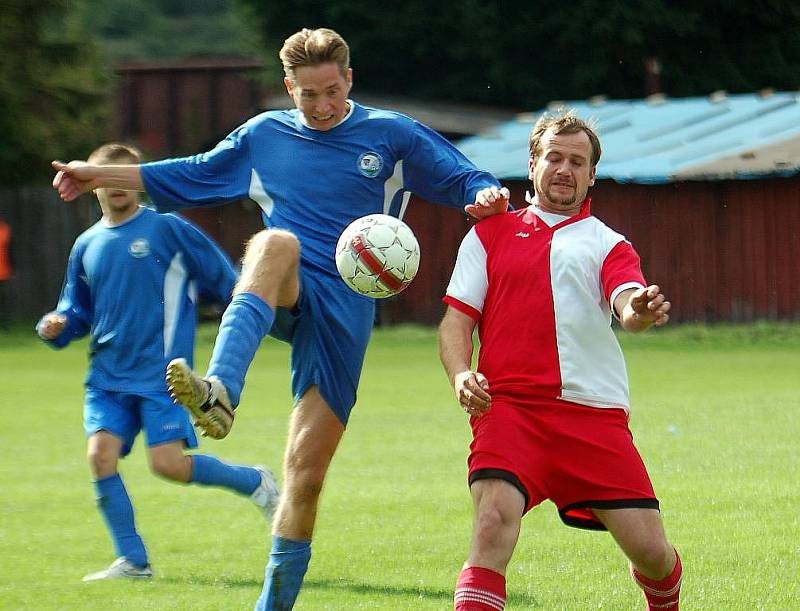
x=577, y=456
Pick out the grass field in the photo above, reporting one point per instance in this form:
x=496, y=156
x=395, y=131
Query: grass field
x=715, y=417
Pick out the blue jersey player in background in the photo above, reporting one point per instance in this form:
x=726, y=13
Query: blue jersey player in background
x=313, y=170
x=132, y=282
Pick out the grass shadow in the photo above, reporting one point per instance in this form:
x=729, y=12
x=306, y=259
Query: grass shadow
x=525, y=600
x=219, y=582
x=353, y=587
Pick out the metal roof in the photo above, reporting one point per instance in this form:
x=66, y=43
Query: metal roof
x=660, y=140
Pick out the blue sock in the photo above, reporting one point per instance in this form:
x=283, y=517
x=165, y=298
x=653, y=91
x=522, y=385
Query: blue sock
x=115, y=505
x=287, y=567
x=211, y=471
x=244, y=324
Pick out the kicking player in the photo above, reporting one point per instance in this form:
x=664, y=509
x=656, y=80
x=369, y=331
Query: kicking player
x=132, y=281
x=549, y=400
x=313, y=170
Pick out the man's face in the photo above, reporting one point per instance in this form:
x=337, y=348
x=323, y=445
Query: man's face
x=116, y=200
x=320, y=93
x=562, y=172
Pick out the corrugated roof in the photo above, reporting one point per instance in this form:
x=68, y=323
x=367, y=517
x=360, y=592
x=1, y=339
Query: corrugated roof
x=658, y=140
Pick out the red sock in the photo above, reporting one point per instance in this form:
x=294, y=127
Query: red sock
x=480, y=589
x=661, y=595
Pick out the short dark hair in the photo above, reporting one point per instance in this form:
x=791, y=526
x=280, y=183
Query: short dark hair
x=565, y=122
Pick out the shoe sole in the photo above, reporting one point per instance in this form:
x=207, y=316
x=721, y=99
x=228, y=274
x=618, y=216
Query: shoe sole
x=187, y=389
x=92, y=578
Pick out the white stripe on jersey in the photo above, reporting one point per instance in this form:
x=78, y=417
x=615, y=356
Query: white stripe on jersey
x=174, y=280
x=470, y=281
x=404, y=205
x=259, y=195
x=390, y=188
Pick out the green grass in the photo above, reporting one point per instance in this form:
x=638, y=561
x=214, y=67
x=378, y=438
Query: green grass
x=715, y=417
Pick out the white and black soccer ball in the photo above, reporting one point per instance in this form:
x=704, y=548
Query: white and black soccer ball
x=377, y=255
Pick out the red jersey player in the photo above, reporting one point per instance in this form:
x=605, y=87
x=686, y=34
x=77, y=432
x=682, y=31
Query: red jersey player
x=549, y=400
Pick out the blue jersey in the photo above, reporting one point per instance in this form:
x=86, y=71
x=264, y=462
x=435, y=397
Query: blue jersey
x=135, y=287
x=314, y=183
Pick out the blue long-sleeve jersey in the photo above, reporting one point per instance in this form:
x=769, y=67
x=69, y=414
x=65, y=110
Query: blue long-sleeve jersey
x=314, y=183
x=135, y=287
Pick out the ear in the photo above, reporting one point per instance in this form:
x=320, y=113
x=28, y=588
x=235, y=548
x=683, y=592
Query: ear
x=349, y=79
x=592, y=176
x=531, y=165
x=289, y=85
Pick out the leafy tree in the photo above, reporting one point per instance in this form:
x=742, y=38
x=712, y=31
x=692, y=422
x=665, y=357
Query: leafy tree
x=53, y=89
x=522, y=54
x=136, y=30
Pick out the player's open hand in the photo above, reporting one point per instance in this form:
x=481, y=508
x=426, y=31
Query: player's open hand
x=649, y=306
x=472, y=392
x=73, y=179
x=51, y=325
x=489, y=201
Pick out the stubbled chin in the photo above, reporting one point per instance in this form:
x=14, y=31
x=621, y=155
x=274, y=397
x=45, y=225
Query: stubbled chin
x=562, y=202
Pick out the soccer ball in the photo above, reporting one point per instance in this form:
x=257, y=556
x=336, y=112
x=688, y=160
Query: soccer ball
x=377, y=255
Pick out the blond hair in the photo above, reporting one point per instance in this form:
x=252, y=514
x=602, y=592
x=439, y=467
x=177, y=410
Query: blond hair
x=115, y=153
x=312, y=48
x=563, y=123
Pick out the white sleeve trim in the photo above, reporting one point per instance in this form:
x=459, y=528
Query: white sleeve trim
x=470, y=282
x=618, y=290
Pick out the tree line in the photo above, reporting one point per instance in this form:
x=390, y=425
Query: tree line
x=56, y=71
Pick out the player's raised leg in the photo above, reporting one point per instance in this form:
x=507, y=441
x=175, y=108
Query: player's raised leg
x=103, y=452
x=314, y=434
x=655, y=564
x=269, y=279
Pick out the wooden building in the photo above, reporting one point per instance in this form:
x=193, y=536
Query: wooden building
x=707, y=189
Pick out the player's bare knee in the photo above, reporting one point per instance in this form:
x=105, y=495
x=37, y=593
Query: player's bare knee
x=304, y=480
x=654, y=559
x=102, y=460
x=272, y=244
x=490, y=523
x=166, y=467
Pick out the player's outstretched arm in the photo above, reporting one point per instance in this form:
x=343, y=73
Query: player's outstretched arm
x=489, y=201
x=77, y=177
x=455, y=350
x=640, y=309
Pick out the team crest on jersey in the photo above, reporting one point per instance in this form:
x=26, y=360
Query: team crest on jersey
x=139, y=248
x=370, y=164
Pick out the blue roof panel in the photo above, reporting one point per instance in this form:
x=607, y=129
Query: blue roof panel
x=663, y=140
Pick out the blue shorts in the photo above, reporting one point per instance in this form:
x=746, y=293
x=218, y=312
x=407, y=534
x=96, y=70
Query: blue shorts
x=124, y=414
x=328, y=329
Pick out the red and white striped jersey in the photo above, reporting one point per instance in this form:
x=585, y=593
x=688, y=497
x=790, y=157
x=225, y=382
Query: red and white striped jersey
x=541, y=296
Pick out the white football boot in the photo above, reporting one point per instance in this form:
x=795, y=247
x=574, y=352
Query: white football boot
x=121, y=568
x=267, y=495
x=206, y=398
